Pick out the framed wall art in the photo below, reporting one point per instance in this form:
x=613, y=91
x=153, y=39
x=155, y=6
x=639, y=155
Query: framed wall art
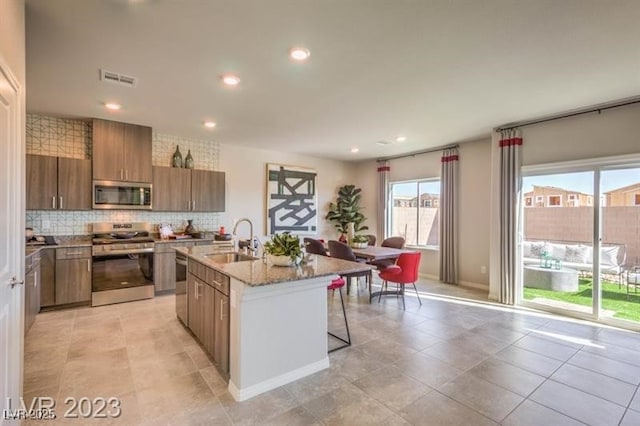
x=292, y=202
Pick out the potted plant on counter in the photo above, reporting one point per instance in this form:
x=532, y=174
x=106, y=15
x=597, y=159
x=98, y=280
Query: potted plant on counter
x=283, y=249
x=359, y=241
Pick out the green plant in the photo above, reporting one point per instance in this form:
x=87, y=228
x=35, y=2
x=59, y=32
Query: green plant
x=346, y=210
x=284, y=244
x=360, y=239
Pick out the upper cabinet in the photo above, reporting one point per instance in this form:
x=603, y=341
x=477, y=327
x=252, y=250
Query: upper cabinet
x=121, y=152
x=186, y=190
x=57, y=183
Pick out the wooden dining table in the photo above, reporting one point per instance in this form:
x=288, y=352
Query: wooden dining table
x=372, y=253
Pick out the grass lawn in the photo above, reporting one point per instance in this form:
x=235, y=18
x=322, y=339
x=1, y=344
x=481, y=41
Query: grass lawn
x=613, y=298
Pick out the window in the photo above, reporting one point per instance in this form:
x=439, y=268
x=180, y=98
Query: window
x=416, y=214
x=554, y=200
x=637, y=199
x=539, y=201
x=573, y=200
x=528, y=201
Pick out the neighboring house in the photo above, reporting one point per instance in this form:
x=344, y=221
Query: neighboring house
x=551, y=196
x=426, y=200
x=626, y=196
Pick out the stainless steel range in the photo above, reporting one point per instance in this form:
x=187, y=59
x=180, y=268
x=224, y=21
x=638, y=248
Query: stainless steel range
x=122, y=263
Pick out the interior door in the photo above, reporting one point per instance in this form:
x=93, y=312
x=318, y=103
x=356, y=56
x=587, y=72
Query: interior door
x=12, y=167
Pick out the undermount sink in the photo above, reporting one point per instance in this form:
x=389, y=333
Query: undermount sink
x=228, y=257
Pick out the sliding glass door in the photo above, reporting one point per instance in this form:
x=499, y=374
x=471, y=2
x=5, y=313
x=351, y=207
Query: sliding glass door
x=581, y=241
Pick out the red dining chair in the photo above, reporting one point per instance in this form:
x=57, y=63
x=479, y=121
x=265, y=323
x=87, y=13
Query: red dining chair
x=337, y=284
x=391, y=242
x=404, y=272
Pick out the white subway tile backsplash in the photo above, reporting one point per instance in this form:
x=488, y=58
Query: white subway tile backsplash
x=72, y=138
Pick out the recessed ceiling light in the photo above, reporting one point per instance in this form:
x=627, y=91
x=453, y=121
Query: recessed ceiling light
x=209, y=124
x=230, y=79
x=299, y=53
x=383, y=143
x=401, y=139
x=354, y=150
x=113, y=106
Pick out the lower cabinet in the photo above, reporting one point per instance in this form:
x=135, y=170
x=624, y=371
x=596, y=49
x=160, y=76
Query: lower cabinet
x=209, y=312
x=47, y=277
x=73, y=275
x=31, y=291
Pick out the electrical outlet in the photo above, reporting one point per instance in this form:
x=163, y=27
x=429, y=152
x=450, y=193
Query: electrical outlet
x=46, y=225
x=483, y=269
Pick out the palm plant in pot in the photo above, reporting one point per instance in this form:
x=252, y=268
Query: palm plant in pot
x=346, y=212
x=283, y=249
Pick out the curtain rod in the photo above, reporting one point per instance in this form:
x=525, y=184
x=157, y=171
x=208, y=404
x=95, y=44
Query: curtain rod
x=597, y=108
x=413, y=154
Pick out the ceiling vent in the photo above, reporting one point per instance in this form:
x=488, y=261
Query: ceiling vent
x=383, y=143
x=114, y=77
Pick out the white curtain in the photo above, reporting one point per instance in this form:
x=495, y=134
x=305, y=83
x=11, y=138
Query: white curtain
x=383, y=198
x=448, y=217
x=506, y=196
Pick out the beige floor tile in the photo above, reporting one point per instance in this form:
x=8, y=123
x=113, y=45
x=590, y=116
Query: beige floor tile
x=439, y=410
x=392, y=388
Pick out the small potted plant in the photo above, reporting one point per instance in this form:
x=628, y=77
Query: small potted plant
x=359, y=241
x=283, y=249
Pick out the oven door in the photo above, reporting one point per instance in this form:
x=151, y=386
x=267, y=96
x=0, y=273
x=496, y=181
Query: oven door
x=122, y=271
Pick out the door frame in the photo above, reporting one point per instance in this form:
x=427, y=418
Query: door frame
x=15, y=150
x=597, y=166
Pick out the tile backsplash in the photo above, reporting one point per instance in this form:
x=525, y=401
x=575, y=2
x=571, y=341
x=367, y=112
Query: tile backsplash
x=72, y=138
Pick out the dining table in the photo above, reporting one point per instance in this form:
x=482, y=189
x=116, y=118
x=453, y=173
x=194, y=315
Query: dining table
x=372, y=253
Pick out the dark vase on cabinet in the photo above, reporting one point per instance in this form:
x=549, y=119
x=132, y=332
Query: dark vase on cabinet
x=188, y=161
x=177, y=158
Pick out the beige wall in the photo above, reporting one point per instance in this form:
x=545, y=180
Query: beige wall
x=475, y=160
x=12, y=39
x=612, y=132
x=246, y=185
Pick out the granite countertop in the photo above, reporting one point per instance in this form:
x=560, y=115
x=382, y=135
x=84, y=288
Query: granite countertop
x=258, y=273
x=158, y=240
x=31, y=250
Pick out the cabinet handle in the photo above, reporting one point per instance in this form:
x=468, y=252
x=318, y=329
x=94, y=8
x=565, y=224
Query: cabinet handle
x=221, y=308
x=121, y=174
x=35, y=278
x=194, y=204
x=188, y=205
x=126, y=174
x=73, y=253
x=89, y=265
x=195, y=289
x=61, y=203
x=53, y=205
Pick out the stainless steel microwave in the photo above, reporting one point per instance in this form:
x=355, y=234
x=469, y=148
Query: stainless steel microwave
x=121, y=195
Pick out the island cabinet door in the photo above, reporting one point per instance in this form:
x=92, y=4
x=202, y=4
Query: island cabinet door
x=208, y=331
x=221, y=345
x=193, y=299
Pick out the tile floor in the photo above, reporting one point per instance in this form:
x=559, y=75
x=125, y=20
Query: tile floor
x=447, y=362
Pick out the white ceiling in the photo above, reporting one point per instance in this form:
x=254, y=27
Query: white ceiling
x=436, y=71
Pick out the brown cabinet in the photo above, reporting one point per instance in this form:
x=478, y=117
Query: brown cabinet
x=47, y=277
x=185, y=190
x=121, y=151
x=208, y=299
x=171, y=189
x=58, y=183
x=31, y=290
x=73, y=275
x=207, y=191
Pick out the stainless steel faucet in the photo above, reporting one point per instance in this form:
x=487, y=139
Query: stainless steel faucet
x=250, y=246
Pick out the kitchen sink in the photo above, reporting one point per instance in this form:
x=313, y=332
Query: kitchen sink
x=229, y=257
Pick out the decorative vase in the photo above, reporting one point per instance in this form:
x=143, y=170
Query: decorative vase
x=279, y=260
x=188, y=161
x=190, y=229
x=351, y=231
x=177, y=158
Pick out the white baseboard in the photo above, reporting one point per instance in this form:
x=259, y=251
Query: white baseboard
x=276, y=382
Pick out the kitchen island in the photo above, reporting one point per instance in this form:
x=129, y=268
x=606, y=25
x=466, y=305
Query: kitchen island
x=276, y=316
